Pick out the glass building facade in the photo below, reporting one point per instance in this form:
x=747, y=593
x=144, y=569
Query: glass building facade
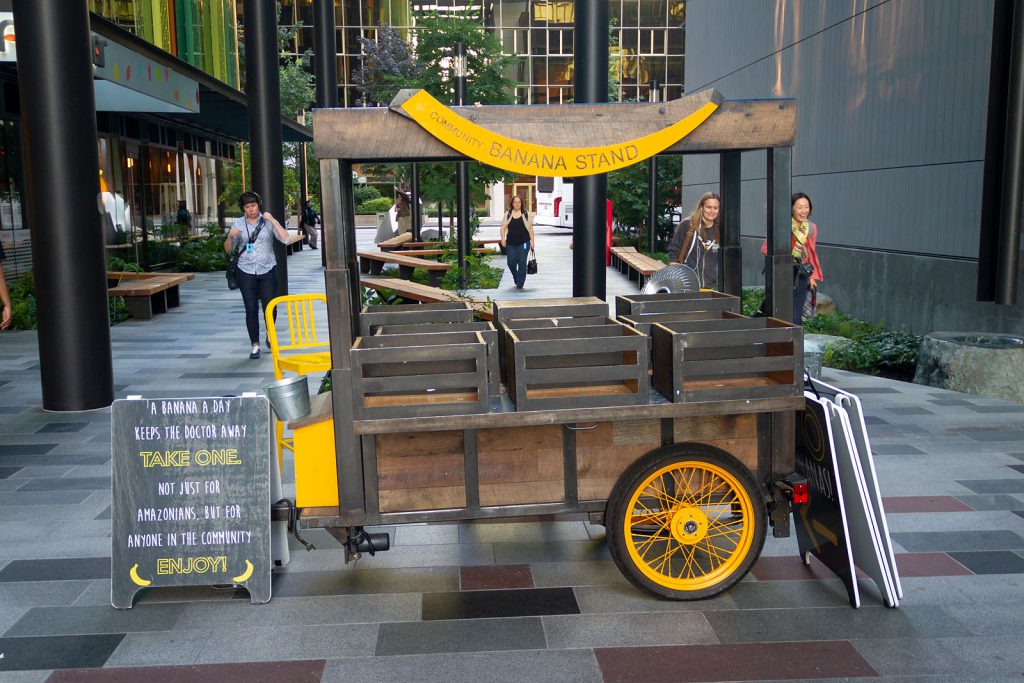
x=646, y=41
x=148, y=167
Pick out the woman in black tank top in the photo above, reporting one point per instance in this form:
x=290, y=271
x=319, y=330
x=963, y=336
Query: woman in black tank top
x=517, y=238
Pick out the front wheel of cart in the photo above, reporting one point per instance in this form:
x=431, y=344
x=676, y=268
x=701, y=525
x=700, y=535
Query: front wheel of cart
x=685, y=522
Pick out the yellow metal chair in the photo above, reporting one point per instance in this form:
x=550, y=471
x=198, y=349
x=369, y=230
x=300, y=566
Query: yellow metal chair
x=301, y=352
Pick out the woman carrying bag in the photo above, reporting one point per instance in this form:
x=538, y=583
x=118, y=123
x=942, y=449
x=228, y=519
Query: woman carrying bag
x=252, y=235
x=517, y=239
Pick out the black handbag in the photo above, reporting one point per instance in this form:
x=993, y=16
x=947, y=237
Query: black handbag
x=229, y=272
x=531, y=265
x=232, y=269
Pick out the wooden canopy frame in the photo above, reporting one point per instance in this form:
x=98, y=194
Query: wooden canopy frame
x=346, y=136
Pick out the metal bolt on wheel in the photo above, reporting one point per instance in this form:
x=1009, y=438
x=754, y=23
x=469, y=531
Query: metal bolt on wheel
x=686, y=522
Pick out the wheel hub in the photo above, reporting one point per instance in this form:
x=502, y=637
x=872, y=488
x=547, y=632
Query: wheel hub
x=689, y=525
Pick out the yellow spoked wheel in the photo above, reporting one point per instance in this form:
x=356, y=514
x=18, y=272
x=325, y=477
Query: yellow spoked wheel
x=685, y=522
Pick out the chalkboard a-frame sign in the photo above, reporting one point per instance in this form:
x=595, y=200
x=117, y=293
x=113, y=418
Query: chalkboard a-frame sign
x=191, y=495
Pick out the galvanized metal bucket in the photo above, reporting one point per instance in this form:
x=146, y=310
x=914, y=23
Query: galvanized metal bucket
x=289, y=397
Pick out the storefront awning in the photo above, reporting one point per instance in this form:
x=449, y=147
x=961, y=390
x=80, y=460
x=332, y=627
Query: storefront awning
x=178, y=91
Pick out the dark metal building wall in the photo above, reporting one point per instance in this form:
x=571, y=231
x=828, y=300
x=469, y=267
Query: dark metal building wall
x=890, y=141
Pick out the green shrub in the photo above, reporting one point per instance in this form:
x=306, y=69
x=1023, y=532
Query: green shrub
x=751, y=300
x=841, y=325
x=202, y=256
x=374, y=205
x=117, y=264
x=23, y=303
x=364, y=193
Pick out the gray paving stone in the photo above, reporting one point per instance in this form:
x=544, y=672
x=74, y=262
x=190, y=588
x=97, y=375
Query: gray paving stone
x=159, y=649
x=366, y=581
x=930, y=541
x=536, y=666
x=564, y=551
x=994, y=485
x=995, y=501
x=519, y=532
x=617, y=599
x=840, y=623
x=988, y=658
x=425, y=534
x=783, y=594
x=894, y=449
x=257, y=642
x=286, y=612
x=70, y=620
x=627, y=630
x=592, y=573
x=461, y=635
x=67, y=484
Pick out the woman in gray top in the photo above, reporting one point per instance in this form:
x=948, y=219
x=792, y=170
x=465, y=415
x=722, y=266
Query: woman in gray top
x=252, y=235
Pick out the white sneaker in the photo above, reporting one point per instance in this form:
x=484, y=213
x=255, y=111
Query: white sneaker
x=255, y=353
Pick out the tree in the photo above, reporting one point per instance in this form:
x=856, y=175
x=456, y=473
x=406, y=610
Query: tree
x=297, y=95
x=627, y=188
x=387, y=66
x=387, y=72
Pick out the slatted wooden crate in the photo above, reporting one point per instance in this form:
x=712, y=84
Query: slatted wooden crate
x=419, y=375
x=644, y=321
x=733, y=357
x=573, y=307
x=575, y=367
x=371, y=317
x=485, y=329
x=675, y=302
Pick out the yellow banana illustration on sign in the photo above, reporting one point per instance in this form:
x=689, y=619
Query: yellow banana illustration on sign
x=244, y=576
x=136, y=579
x=527, y=158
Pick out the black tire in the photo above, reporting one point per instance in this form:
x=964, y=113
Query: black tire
x=712, y=540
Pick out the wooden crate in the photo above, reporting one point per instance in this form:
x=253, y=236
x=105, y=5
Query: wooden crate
x=730, y=358
x=420, y=471
x=372, y=317
x=573, y=307
x=419, y=375
x=576, y=367
x=485, y=329
x=675, y=303
x=643, y=321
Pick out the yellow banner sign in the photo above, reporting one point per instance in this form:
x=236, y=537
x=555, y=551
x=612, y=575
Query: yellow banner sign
x=527, y=158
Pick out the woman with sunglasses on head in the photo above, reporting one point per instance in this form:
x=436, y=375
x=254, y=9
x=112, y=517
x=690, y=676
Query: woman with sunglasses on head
x=252, y=235
x=697, y=241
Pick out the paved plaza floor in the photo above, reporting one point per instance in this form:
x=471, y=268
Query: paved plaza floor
x=530, y=600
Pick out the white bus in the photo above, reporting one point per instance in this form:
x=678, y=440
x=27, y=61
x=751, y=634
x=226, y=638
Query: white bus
x=554, y=202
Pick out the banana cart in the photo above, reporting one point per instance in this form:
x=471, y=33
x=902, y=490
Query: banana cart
x=672, y=423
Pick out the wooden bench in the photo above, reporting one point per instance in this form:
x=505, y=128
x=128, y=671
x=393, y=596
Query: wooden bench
x=294, y=243
x=396, y=241
x=390, y=244
x=616, y=262
x=373, y=262
x=420, y=253
x=638, y=266
x=146, y=294
x=414, y=291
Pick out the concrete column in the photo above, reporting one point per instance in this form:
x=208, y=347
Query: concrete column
x=61, y=191
x=590, y=193
x=263, y=95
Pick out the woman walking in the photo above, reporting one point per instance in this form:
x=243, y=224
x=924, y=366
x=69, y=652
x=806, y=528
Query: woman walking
x=252, y=235
x=517, y=238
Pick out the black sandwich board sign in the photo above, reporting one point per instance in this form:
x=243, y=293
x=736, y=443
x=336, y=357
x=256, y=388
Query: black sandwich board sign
x=843, y=523
x=821, y=527
x=191, y=494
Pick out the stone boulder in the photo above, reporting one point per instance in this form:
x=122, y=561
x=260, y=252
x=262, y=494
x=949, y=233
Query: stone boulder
x=973, y=363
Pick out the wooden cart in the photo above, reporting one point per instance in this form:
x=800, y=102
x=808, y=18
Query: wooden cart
x=686, y=479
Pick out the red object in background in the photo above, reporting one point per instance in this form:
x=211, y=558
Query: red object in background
x=608, y=243
x=558, y=205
